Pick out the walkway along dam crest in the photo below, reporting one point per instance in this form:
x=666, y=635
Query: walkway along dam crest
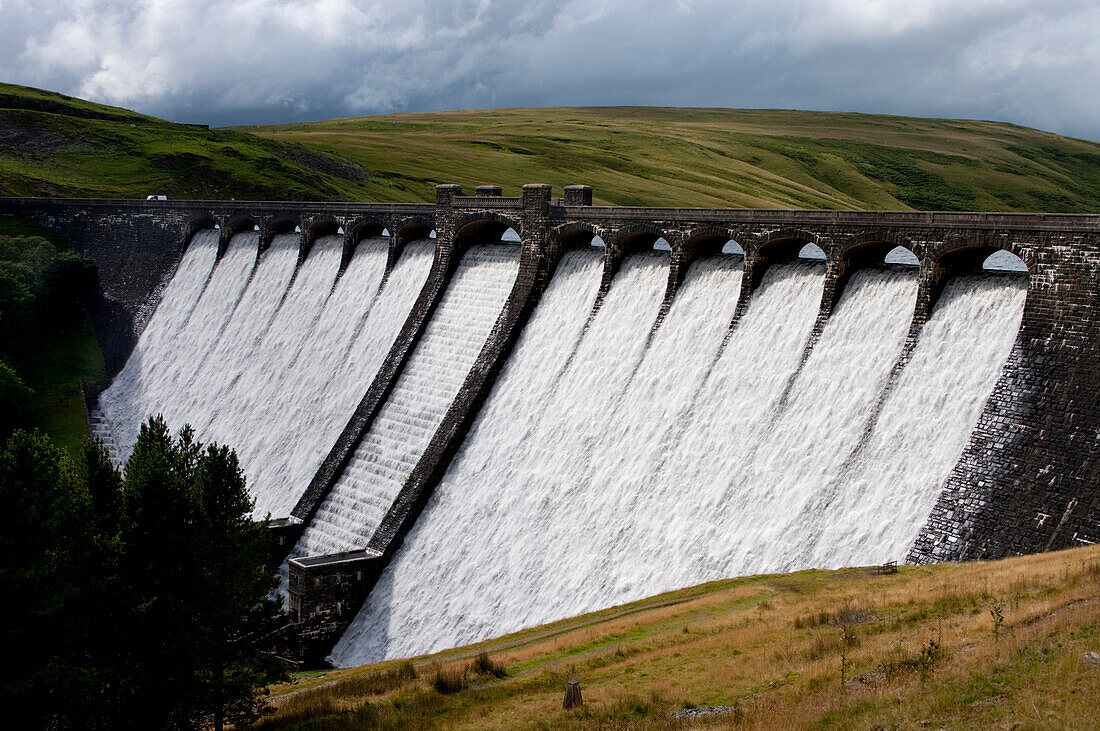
x=369, y=356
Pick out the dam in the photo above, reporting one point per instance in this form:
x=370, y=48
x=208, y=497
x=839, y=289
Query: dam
x=492, y=412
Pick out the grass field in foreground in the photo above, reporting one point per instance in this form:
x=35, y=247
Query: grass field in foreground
x=978, y=645
x=718, y=157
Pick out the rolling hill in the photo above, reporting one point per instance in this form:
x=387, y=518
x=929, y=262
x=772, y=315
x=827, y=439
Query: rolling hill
x=55, y=145
x=719, y=157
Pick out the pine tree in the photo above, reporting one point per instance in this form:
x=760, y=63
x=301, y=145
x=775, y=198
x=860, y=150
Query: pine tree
x=237, y=613
x=42, y=550
x=134, y=602
x=158, y=542
x=194, y=560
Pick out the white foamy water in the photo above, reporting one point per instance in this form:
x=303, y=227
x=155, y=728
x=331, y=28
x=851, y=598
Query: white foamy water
x=127, y=401
x=821, y=423
x=481, y=539
x=200, y=334
x=224, y=362
x=874, y=511
x=417, y=403
x=255, y=413
x=285, y=450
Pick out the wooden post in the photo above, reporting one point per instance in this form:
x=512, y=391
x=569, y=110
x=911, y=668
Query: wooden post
x=572, y=695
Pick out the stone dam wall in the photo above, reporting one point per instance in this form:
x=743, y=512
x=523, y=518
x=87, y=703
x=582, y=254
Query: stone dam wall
x=1027, y=481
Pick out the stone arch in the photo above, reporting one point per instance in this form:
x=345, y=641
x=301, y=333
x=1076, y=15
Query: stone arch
x=239, y=224
x=196, y=224
x=410, y=228
x=364, y=228
x=871, y=249
x=484, y=227
x=775, y=247
x=232, y=227
x=634, y=238
x=706, y=240
x=275, y=226
x=316, y=228
x=778, y=246
x=571, y=235
x=966, y=255
x=357, y=232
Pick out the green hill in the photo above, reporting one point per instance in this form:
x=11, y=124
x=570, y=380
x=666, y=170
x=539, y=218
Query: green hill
x=720, y=157
x=51, y=144
x=54, y=145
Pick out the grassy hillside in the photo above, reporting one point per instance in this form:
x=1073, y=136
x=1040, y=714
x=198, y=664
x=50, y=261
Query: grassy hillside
x=719, y=157
x=54, y=145
x=978, y=645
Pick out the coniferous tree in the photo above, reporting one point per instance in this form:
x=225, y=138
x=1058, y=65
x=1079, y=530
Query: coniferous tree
x=42, y=547
x=136, y=602
x=237, y=613
x=99, y=658
x=157, y=565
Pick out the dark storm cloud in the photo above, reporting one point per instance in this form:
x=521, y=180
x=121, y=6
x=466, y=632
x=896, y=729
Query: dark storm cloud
x=1027, y=61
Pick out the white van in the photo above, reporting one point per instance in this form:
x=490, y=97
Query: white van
x=156, y=197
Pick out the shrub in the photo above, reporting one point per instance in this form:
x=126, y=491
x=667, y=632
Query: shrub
x=447, y=682
x=485, y=665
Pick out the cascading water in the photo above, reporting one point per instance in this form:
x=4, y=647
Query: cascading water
x=363, y=357
x=875, y=509
x=266, y=360
x=215, y=373
x=126, y=403
x=246, y=415
x=495, y=494
x=276, y=456
x=607, y=463
x=417, y=402
x=749, y=527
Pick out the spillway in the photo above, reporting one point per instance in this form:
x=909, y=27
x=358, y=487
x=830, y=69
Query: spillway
x=214, y=375
x=127, y=401
x=282, y=449
x=247, y=414
x=417, y=403
x=516, y=474
x=876, y=507
x=266, y=356
x=615, y=455
x=821, y=422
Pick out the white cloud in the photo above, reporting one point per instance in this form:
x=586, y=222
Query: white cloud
x=1029, y=61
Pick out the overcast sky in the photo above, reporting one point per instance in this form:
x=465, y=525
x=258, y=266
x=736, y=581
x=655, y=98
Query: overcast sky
x=1033, y=62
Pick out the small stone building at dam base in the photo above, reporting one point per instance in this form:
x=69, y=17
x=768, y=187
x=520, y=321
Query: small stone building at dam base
x=405, y=382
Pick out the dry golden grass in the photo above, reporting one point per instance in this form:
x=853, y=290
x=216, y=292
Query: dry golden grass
x=920, y=648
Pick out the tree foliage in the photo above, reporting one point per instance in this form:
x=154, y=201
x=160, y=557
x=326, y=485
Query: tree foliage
x=43, y=292
x=138, y=601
